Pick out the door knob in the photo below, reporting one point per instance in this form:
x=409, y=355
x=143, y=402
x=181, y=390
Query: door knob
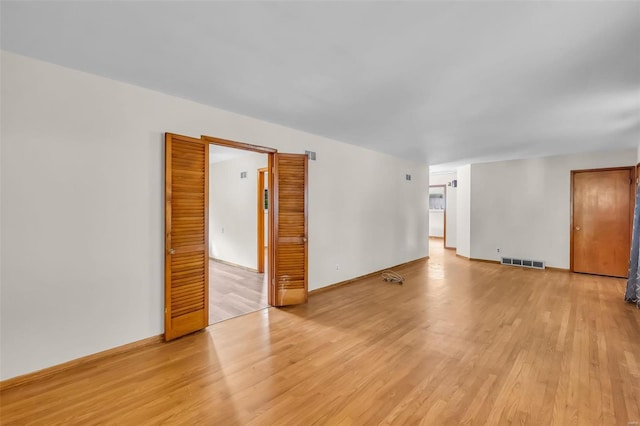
x=577, y=228
x=172, y=251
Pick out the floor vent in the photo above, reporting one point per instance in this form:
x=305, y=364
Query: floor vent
x=525, y=263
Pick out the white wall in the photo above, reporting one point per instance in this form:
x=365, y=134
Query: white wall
x=523, y=206
x=82, y=208
x=452, y=217
x=436, y=223
x=233, y=210
x=436, y=217
x=451, y=197
x=463, y=212
x=441, y=178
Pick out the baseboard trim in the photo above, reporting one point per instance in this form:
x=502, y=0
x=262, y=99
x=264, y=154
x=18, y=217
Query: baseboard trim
x=50, y=371
x=553, y=268
x=497, y=262
x=484, y=260
x=449, y=248
x=246, y=268
x=475, y=259
x=362, y=277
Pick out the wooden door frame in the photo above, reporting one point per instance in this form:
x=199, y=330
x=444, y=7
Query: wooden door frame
x=270, y=153
x=260, y=218
x=632, y=196
x=444, y=212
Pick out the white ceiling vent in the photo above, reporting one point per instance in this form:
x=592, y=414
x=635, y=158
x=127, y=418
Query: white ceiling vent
x=525, y=263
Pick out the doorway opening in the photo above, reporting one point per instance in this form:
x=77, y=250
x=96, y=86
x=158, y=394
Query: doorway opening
x=602, y=202
x=187, y=223
x=437, y=214
x=237, y=281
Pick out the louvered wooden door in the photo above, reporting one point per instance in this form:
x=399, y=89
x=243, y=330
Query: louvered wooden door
x=289, y=263
x=186, y=233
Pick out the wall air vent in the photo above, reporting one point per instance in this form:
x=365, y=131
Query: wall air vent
x=525, y=263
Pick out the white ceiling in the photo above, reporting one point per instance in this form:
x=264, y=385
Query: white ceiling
x=431, y=81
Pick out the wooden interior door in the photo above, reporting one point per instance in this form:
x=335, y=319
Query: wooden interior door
x=602, y=205
x=289, y=216
x=186, y=232
x=260, y=220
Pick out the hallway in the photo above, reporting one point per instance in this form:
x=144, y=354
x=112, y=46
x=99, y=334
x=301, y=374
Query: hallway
x=234, y=291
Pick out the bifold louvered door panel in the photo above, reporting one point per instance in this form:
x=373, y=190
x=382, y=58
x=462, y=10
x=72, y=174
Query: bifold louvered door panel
x=289, y=285
x=186, y=233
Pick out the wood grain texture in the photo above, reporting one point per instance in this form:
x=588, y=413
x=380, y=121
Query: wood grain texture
x=362, y=277
x=289, y=210
x=602, y=217
x=260, y=218
x=75, y=363
x=186, y=234
x=234, y=291
x=459, y=343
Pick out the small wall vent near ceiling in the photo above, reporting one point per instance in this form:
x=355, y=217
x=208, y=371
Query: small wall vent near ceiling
x=525, y=263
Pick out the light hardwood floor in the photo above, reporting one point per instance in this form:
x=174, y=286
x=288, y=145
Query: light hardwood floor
x=460, y=342
x=234, y=291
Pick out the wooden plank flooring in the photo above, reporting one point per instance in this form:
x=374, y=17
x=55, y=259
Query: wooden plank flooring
x=459, y=343
x=234, y=291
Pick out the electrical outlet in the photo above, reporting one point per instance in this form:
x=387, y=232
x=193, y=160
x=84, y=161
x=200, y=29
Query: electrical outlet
x=498, y=250
x=222, y=232
x=337, y=266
